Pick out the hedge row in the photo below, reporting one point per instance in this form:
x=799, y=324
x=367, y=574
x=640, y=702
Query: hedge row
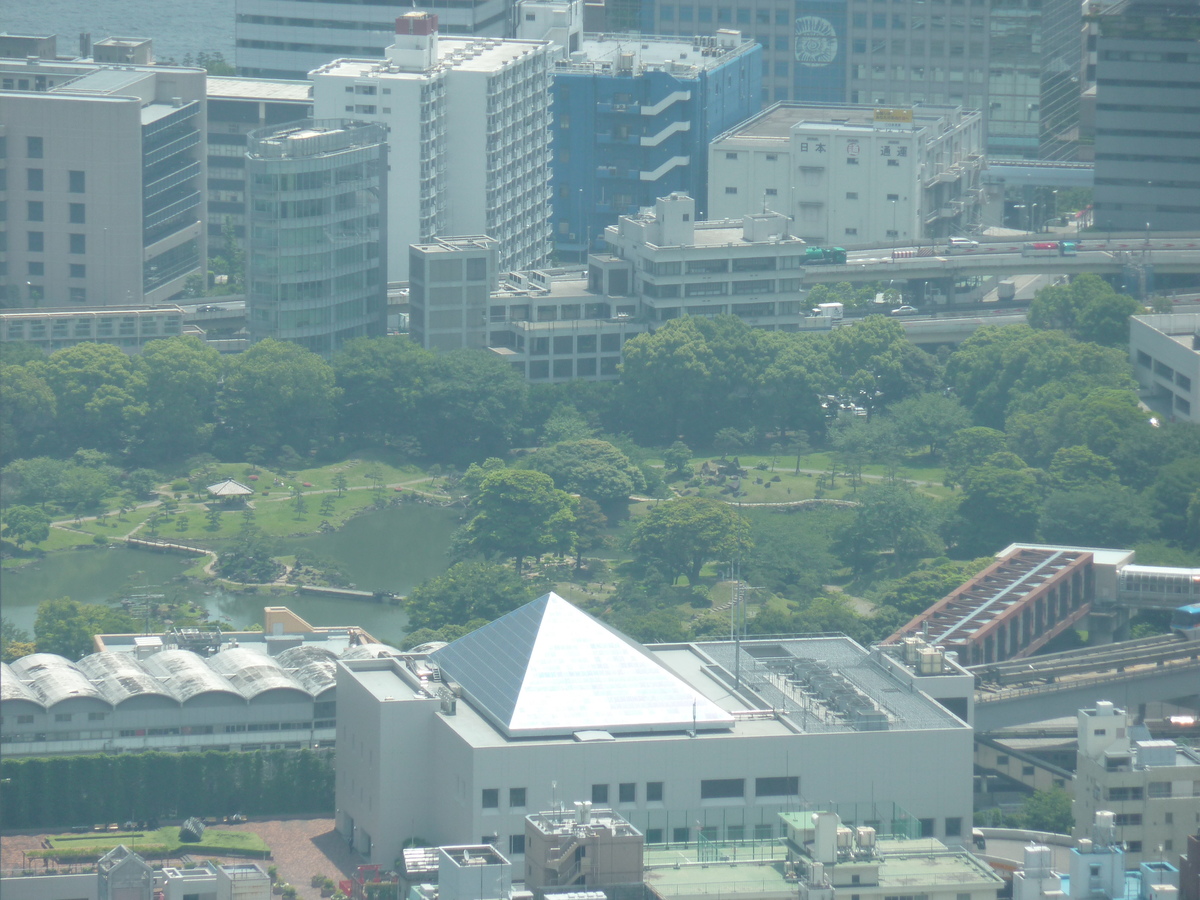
x=50, y=792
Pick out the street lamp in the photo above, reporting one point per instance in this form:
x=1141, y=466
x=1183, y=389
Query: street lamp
x=895, y=233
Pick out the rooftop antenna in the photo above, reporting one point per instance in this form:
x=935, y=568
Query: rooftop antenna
x=554, y=804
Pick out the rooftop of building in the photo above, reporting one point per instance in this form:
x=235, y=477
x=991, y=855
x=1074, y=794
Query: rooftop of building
x=582, y=820
x=1101, y=556
x=778, y=121
x=637, y=54
x=548, y=671
x=270, y=89
x=470, y=54
x=313, y=139
x=72, y=312
x=1179, y=326
x=84, y=76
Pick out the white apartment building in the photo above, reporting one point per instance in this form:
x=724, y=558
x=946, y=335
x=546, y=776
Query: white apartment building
x=1150, y=788
x=562, y=324
x=852, y=174
x=102, y=170
x=548, y=706
x=469, y=137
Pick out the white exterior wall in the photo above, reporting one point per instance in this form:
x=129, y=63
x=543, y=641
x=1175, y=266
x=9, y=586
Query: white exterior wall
x=1160, y=348
x=469, y=143
x=844, y=184
x=51, y=887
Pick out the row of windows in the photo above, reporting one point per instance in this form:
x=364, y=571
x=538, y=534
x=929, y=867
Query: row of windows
x=539, y=369
x=35, y=242
x=627, y=792
x=35, y=211
x=193, y=729
x=35, y=180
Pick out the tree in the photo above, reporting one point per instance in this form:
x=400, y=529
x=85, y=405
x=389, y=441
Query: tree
x=465, y=592
x=1001, y=503
x=588, y=528
x=1172, y=493
x=470, y=408
x=276, y=393
x=928, y=420
x=680, y=536
x=996, y=365
x=1048, y=811
x=1059, y=415
x=340, y=483
x=891, y=517
x=249, y=559
x=380, y=380
x=27, y=410
x=26, y=525
x=1088, y=309
x=565, y=424
x=1076, y=467
x=14, y=642
x=678, y=458
x=800, y=446
x=918, y=590
x=592, y=468
x=969, y=447
x=519, y=513
x=95, y=388
x=1096, y=514
x=876, y=363
x=177, y=391
x=66, y=627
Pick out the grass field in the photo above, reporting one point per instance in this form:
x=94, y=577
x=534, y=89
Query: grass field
x=167, y=838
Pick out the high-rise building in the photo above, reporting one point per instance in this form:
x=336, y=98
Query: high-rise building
x=290, y=38
x=1034, y=83
x=318, y=238
x=237, y=106
x=468, y=122
x=853, y=174
x=104, y=181
x=633, y=116
x=1148, y=117
x=843, y=51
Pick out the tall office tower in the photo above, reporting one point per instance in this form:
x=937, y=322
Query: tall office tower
x=1034, y=85
x=1147, y=172
x=468, y=123
x=103, y=176
x=290, y=38
x=237, y=106
x=892, y=53
x=633, y=117
x=316, y=263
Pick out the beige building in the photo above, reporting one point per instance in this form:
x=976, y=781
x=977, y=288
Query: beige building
x=853, y=174
x=1152, y=787
x=103, y=170
x=584, y=847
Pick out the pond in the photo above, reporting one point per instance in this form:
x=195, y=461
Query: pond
x=391, y=549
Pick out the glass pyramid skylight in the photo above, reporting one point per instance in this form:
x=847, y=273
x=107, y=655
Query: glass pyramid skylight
x=549, y=668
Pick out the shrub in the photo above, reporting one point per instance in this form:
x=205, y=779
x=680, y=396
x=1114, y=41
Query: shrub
x=100, y=539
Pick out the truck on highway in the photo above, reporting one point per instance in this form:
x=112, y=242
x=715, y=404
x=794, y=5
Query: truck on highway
x=832, y=311
x=817, y=256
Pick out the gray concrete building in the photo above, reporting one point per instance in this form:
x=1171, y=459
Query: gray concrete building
x=1165, y=352
x=1148, y=117
x=317, y=259
x=102, y=172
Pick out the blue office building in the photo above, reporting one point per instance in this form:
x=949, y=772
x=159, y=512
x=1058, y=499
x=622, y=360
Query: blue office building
x=633, y=116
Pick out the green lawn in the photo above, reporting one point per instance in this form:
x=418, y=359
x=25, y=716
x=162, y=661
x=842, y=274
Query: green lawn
x=215, y=841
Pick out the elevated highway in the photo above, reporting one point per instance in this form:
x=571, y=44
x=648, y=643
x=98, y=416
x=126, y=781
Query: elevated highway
x=1128, y=673
x=1100, y=255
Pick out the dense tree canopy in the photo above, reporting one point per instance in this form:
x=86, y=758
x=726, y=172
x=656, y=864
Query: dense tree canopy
x=519, y=513
x=66, y=627
x=466, y=592
x=1087, y=308
x=592, y=468
x=680, y=536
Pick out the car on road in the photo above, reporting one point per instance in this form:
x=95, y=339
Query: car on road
x=904, y=311
x=209, y=308
x=961, y=243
